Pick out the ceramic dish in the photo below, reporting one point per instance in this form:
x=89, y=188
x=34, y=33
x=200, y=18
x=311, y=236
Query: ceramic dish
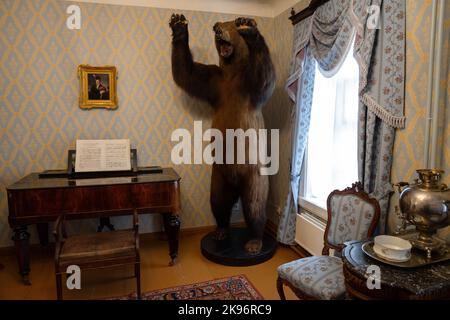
x=380, y=253
x=418, y=259
x=392, y=248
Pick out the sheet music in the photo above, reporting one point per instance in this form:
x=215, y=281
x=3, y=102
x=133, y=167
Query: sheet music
x=102, y=155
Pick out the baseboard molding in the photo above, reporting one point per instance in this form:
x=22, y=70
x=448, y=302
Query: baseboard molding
x=11, y=250
x=300, y=251
x=185, y=231
x=271, y=230
x=151, y=236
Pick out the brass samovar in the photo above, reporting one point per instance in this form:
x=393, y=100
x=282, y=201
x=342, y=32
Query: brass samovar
x=425, y=204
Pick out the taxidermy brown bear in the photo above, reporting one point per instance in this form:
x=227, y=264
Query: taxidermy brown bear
x=237, y=89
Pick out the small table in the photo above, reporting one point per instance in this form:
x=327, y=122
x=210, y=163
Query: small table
x=422, y=283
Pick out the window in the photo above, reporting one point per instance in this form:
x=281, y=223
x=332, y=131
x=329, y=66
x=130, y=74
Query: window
x=331, y=155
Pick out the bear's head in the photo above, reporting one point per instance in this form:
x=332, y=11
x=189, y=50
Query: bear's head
x=230, y=45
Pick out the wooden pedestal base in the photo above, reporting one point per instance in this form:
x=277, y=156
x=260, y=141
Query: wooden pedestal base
x=231, y=251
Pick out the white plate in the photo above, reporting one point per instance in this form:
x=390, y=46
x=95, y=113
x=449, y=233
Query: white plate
x=381, y=255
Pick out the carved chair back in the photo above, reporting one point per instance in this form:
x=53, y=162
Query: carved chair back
x=352, y=215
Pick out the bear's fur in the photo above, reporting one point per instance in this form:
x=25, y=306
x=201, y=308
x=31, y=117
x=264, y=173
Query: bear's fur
x=237, y=89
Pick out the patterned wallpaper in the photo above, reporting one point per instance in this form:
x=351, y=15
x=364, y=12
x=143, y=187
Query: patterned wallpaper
x=278, y=112
x=39, y=114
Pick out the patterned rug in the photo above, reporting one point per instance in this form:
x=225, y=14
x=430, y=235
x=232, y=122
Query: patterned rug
x=232, y=288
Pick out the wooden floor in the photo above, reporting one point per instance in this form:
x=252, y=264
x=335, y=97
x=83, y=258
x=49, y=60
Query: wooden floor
x=191, y=267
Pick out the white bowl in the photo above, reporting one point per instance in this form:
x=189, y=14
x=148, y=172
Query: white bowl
x=392, y=248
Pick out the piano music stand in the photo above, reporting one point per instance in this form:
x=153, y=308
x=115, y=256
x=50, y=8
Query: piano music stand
x=104, y=221
x=100, y=174
x=70, y=173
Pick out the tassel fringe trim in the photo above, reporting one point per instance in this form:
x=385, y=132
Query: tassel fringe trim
x=383, y=114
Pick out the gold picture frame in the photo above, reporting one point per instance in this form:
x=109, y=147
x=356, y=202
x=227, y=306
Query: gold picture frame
x=98, y=87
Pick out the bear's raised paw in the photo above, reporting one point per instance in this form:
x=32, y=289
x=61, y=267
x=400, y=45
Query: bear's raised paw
x=177, y=20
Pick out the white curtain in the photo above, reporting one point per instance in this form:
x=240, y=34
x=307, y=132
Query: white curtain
x=332, y=161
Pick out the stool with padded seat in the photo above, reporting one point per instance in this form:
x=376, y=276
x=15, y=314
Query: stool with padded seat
x=96, y=251
x=352, y=215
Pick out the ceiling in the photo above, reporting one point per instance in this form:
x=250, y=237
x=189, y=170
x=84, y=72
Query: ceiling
x=264, y=8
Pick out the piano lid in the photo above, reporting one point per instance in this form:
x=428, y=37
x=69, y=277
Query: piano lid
x=32, y=181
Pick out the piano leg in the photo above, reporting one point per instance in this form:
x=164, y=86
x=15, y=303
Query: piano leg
x=42, y=229
x=172, y=228
x=22, y=243
x=105, y=222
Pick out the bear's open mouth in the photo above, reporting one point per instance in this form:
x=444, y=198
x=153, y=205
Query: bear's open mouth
x=225, y=48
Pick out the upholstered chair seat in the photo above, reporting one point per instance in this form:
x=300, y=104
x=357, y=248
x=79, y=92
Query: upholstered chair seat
x=352, y=215
x=318, y=277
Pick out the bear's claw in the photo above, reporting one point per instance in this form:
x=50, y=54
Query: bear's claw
x=245, y=23
x=177, y=19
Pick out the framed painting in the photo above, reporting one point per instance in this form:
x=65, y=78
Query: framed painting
x=98, y=87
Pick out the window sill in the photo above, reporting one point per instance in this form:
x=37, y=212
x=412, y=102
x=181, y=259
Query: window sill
x=313, y=207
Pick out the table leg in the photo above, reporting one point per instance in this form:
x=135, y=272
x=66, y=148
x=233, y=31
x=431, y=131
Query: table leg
x=42, y=229
x=22, y=243
x=105, y=222
x=172, y=228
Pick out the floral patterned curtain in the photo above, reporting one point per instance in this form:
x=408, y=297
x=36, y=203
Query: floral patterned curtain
x=378, y=28
x=382, y=75
x=304, y=87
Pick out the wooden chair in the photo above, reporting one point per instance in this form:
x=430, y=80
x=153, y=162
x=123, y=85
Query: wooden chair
x=96, y=251
x=352, y=215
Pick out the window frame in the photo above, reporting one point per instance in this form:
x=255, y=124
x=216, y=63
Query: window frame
x=306, y=203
